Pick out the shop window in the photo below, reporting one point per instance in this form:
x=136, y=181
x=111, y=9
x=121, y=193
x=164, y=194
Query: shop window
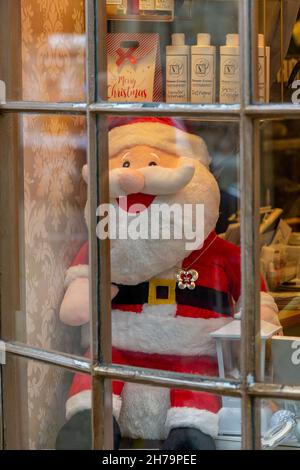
x=150, y=103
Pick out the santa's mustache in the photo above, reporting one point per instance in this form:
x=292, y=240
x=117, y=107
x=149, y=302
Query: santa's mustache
x=155, y=180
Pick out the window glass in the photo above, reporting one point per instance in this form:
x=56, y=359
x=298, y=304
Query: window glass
x=45, y=227
x=44, y=58
x=278, y=52
x=172, y=51
x=282, y=424
x=35, y=397
x=174, y=292
x=279, y=235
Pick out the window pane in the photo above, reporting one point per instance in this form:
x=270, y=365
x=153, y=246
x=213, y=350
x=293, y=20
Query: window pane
x=35, y=397
x=279, y=234
x=283, y=431
x=154, y=53
x=45, y=196
x=45, y=54
x=174, y=235
x=278, y=51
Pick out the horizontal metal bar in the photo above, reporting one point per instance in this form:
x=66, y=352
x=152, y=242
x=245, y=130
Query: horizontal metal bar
x=209, y=112
x=42, y=108
x=74, y=363
x=273, y=110
x=153, y=377
x=267, y=390
x=169, y=379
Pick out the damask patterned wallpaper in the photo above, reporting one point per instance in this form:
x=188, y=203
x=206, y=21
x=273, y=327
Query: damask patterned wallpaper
x=54, y=151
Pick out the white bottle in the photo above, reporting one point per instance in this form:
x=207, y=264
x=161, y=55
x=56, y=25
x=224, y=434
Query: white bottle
x=263, y=70
x=203, y=70
x=230, y=70
x=177, y=70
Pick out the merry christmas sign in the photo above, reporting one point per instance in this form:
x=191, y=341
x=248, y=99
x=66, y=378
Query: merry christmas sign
x=133, y=67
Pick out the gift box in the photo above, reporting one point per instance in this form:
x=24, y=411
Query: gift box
x=133, y=67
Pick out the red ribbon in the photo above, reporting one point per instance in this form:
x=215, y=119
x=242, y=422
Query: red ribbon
x=126, y=55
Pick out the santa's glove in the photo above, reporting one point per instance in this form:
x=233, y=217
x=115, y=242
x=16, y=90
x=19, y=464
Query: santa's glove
x=188, y=439
x=76, y=434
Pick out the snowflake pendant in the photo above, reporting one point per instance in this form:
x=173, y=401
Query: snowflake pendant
x=186, y=279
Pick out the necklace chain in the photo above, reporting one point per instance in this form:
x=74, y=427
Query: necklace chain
x=187, y=277
x=202, y=253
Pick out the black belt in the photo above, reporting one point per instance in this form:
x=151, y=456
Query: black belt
x=201, y=297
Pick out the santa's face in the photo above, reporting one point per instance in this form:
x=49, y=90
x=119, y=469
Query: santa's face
x=146, y=176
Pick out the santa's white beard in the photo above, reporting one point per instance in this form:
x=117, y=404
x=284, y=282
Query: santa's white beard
x=136, y=261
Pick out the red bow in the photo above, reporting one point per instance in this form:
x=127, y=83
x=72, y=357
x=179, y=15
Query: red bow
x=126, y=55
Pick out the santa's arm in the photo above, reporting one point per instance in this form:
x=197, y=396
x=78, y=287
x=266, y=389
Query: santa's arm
x=268, y=309
x=74, y=308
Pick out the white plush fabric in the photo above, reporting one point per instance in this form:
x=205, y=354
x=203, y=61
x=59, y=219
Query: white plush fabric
x=81, y=270
x=144, y=411
x=160, y=334
x=75, y=309
x=159, y=135
x=117, y=405
x=165, y=310
x=266, y=300
x=205, y=421
x=154, y=179
x=83, y=401
x=79, y=402
x=136, y=261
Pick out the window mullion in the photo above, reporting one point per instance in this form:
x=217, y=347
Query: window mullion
x=249, y=183
x=98, y=249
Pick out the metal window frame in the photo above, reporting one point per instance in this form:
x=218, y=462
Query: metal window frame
x=249, y=388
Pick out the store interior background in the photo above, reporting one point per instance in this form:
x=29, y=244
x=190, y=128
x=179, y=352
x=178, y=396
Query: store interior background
x=54, y=151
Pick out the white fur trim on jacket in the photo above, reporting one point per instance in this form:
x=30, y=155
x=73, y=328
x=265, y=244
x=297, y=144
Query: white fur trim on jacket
x=82, y=401
x=79, y=402
x=159, y=135
x=184, y=417
x=159, y=334
x=81, y=270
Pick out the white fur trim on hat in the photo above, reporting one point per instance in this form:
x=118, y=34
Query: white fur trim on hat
x=82, y=401
x=81, y=270
x=158, y=135
x=184, y=417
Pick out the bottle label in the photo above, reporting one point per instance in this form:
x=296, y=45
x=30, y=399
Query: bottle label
x=114, y=2
x=147, y=4
x=229, y=79
x=164, y=5
x=177, y=79
x=203, y=78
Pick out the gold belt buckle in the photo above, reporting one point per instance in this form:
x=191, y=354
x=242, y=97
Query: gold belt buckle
x=152, y=294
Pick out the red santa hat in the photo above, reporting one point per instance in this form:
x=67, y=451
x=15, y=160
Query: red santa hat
x=163, y=133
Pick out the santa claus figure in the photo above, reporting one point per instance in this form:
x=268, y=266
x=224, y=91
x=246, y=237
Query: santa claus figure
x=167, y=296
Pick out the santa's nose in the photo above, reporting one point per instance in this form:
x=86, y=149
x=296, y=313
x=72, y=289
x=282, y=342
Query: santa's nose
x=131, y=181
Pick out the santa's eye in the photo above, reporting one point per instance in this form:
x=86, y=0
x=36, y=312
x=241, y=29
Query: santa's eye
x=126, y=164
x=152, y=164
